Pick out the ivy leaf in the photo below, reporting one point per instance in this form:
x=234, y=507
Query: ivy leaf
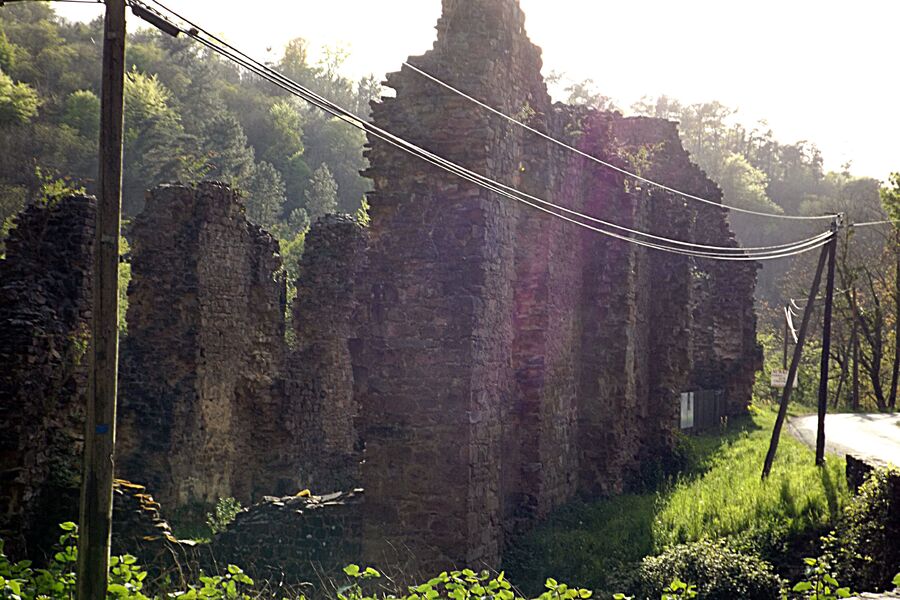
x=352, y=570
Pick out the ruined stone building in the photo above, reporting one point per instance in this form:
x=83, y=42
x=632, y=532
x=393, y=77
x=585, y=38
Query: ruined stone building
x=470, y=362
x=525, y=358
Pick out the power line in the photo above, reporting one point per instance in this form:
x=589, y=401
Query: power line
x=870, y=223
x=603, y=162
x=278, y=79
x=285, y=83
x=2, y=2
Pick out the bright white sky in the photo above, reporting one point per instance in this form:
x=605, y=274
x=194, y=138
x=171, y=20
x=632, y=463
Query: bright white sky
x=825, y=71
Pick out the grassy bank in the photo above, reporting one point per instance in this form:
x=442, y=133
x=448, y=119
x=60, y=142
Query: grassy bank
x=721, y=496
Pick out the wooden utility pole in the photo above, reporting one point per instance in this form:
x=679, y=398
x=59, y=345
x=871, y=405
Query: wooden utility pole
x=795, y=363
x=100, y=433
x=826, y=351
x=854, y=336
x=784, y=352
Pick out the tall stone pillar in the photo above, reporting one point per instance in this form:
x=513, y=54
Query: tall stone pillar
x=45, y=313
x=319, y=379
x=613, y=378
x=433, y=368
x=201, y=413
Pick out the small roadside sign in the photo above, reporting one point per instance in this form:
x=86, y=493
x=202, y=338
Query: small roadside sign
x=779, y=378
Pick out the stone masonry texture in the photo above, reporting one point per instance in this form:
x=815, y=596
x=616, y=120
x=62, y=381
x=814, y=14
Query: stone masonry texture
x=45, y=300
x=201, y=413
x=509, y=360
x=319, y=373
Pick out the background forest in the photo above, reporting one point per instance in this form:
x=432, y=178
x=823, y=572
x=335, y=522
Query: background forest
x=191, y=116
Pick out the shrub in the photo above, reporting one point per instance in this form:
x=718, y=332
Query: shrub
x=865, y=545
x=717, y=570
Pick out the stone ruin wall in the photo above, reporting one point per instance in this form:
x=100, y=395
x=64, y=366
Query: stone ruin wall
x=319, y=373
x=557, y=411
x=215, y=402
x=486, y=361
x=446, y=403
x=201, y=410
x=45, y=300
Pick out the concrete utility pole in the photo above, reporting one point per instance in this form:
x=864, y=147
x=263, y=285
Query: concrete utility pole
x=100, y=432
x=826, y=350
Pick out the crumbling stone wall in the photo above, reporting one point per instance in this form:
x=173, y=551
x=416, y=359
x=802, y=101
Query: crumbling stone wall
x=437, y=352
x=708, y=338
x=726, y=352
x=291, y=539
x=614, y=357
x=587, y=344
x=326, y=315
x=656, y=153
x=201, y=415
x=45, y=299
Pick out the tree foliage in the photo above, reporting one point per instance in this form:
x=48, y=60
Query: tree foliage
x=18, y=101
x=189, y=115
x=321, y=197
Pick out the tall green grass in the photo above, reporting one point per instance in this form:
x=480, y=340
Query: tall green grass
x=796, y=504
x=598, y=544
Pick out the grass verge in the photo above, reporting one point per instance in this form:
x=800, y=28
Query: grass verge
x=596, y=545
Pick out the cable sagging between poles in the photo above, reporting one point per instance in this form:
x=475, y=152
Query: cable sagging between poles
x=605, y=163
x=273, y=76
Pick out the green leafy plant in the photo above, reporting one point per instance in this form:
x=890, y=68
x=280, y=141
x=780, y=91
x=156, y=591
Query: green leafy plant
x=864, y=547
x=19, y=581
x=223, y=514
x=820, y=583
x=675, y=590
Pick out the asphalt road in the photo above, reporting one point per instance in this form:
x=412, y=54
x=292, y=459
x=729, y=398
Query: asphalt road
x=875, y=437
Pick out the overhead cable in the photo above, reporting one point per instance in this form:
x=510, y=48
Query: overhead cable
x=2, y=2
x=605, y=163
x=788, y=316
x=285, y=83
x=870, y=223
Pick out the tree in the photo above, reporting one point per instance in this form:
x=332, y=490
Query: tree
x=294, y=62
x=82, y=113
x=332, y=142
x=367, y=89
x=662, y=107
x=265, y=195
x=584, y=93
x=223, y=146
x=321, y=197
x=7, y=52
x=890, y=197
x=154, y=140
x=285, y=129
x=744, y=186
x=18, y=101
